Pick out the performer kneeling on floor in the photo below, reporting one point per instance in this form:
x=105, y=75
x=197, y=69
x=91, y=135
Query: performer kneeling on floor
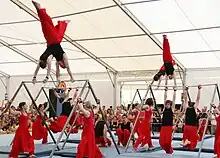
x=87, y=146
x=124, y=130
x=101, y=133
x=190, y=136
x=54, y=36
x=166, y=131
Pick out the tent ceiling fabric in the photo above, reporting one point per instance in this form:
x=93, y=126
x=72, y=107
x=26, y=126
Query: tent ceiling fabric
x=172, y=16
x=103, y=28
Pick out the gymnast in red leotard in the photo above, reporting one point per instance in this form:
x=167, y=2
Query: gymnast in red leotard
x=54, y=36
x=38, y=130
x=167, y=68
x=23, y=141
x=87, y=146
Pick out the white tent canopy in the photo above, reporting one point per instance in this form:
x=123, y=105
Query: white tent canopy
x=123, y=36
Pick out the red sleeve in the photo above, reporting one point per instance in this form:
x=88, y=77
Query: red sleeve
x=61, y=28
x=162, y=68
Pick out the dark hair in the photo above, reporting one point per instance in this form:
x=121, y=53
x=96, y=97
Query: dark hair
x=21, y=105
x=156, y=77
x=191, y=104
x=40, y=106
x=136, y=104
x=43, y=64
x=204, y=115
x=168, y=102
x=149, y=101
x=124, y=115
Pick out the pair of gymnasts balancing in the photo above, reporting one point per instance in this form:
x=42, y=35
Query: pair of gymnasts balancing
x=54, y=36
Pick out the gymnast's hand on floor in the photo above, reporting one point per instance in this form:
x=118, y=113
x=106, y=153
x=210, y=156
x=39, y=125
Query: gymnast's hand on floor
x=34, y=80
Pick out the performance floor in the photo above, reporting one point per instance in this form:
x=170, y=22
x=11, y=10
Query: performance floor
x=43, y=151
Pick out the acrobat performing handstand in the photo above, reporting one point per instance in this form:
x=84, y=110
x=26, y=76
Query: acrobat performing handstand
x=167, y=68
x=53, y=35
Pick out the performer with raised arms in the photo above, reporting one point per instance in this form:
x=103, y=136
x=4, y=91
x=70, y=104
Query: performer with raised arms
x=190, y=136
x=166, y=131
x=23, y=141
x=87, y=146
x=53, y=35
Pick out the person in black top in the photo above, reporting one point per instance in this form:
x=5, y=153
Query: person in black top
x=124, y=130
x=114, y=124
x=166, y=131
x=190, y=136
x=101, y=133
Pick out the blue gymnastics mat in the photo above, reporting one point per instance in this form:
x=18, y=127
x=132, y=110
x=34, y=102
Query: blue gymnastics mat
x=177, y=136
x=40, y=150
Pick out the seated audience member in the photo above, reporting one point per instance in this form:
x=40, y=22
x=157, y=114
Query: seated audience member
x=101, y=133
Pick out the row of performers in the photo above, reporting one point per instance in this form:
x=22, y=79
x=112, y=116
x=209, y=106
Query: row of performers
x=24, y=142
x=190, y=133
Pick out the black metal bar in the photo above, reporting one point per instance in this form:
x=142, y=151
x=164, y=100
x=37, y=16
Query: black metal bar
x=49, y=101
x=53, y=81
x=60, y=16
x=186, y=30
x=155, y=103
x=67, y=122
x=103, y=116
x=218, y=92
x=35, y=105
x=135, y=22
x=138, y=92
x=132, y=102
x=139, y=2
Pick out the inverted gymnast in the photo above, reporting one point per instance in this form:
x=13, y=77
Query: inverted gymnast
x=190, y=136
x=53, y=35
x=166, y=131
x=167, y=68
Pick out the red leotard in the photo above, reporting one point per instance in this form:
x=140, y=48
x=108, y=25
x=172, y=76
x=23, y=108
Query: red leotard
x=145, y=130
x=217, y=138
x=39, y=131
x=87, y=146
x=23, y=141
x=53, y=34
x=167, y=57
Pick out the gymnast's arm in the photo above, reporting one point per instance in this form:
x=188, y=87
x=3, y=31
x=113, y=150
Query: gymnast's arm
x=85, y=112
x=174, y=99
x=185, y=98
x=49, y=60
x=198, y=97
x=37, y=70
x=47, y=107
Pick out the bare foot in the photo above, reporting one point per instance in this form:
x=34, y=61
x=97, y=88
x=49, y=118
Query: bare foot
x=66, y=21
x=37, y=5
